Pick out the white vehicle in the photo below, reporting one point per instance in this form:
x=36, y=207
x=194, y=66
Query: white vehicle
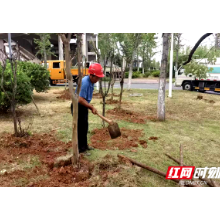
x=210, y=83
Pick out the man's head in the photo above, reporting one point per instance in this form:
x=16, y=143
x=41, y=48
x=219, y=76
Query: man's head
x=96, y=72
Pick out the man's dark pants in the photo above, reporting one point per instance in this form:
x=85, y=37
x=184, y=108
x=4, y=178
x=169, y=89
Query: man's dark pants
x=82, y=126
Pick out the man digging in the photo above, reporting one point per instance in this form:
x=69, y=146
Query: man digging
x=85, y=97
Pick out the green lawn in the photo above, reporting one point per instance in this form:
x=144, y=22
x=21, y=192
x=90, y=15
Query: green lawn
x=191, y=122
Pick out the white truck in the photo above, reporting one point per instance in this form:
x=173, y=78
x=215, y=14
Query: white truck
x=210, y=83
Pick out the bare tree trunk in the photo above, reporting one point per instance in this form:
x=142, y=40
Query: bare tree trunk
x=66, y=42
x=131, y=70
x=122, y=81
x=113, y=78
x=14, y=91
x=35, y=104
x=177, y=54
x=103, y=110
x=137, y=61
x=162, y=81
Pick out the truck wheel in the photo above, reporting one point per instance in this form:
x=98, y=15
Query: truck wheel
x=51, y=82
x=75, y=79
x=187, y=86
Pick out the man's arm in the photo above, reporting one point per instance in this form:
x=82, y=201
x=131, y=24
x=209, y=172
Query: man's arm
x=82, y=101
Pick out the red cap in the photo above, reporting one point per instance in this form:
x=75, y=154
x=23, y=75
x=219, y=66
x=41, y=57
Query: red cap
x=96, y=70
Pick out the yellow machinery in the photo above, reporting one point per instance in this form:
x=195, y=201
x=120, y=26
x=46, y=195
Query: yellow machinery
x=58, y=74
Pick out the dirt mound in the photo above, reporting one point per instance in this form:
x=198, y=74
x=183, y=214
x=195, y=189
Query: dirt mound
x=127, y=115
x=68, y=176
x=96, y=95
x=129, y=138
x=46, y=148
x=143, y=143
x=153, y=138
x=200, y=97
x=65, y=95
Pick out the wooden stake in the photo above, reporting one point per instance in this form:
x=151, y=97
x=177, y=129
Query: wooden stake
x=150, y=168
x=181, y=163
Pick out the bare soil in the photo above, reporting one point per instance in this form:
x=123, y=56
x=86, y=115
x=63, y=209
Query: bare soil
x=65, y=95
x=123, y=114
x=47, y=148
x=129, y=138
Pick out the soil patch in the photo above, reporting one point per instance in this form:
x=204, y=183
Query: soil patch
x=200, y=97
x=109, y=101
x=143, y=143
x=42, y=172
x=129, y=138
x=153, y=138
x=65, y=95
x=127, y=115
x=98, y=95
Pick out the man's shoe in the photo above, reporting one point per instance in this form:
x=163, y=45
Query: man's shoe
x=90, y=148
x=82, y=151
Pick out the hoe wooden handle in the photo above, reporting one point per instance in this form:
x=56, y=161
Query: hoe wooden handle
x=104, y=118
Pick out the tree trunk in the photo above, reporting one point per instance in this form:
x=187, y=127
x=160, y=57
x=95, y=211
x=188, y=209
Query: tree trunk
x=177, y=54
x=122, y=81
x=75, y=160
x=113, y=78
x=14, y=91
x=137, y=61
x=131, y=71
x=103, y=110
x=45, y=53
x=162, y=80
x=13, y=106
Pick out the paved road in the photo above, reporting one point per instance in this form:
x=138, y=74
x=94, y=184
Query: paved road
x=146, y=86
x=138, y=84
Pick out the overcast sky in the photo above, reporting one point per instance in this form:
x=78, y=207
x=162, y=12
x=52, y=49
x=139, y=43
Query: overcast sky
x=188, y=39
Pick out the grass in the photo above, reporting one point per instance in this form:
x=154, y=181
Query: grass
x=191, y=122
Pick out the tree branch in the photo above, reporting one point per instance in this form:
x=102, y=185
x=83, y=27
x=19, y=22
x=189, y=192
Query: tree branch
x=196, y=46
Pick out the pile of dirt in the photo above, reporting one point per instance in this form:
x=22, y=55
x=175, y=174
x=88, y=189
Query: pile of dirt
x=65, y=95
x=46, y=146
x=129, y=138
x=209, y=101
x=44, y=173
x=98, y=95
x=68, y=176
x=127, y=115
x=47, y=149
x=109, y=102
x=200, y=97
x=153, y=138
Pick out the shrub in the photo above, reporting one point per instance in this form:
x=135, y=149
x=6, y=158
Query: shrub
x=126, y=74
x=39, y=76
x=155, y=73
x=24, y=88
x=30, y=76
x=136, y=75
x=146, y=74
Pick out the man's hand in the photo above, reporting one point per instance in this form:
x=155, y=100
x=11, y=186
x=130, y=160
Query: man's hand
x=94, y=110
